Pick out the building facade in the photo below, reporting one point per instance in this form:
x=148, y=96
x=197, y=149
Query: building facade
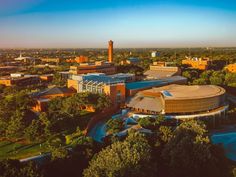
x=159, y=70
x=80, y=59
x=19, y=81
x=51, y=60
x=41, y=99
x=99, y=83
x=131, y=61
x=181, y=101
x=97, y=67
x=197, y=63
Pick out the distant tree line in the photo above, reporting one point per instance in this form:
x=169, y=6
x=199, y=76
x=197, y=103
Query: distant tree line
x=221, y=78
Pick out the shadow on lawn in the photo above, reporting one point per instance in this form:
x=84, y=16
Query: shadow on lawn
x=21, y=148
x=7, y=144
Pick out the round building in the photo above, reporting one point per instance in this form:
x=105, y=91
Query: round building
x=181, y=101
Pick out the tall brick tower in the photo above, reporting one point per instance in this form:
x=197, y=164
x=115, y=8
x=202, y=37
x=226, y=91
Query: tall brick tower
x=110, y=51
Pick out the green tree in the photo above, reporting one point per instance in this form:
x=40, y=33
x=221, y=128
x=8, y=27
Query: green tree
x=147, y=122
x=230, y=79
x=103, y=102
x=10, y=168
x=58, y=152
x=190, y=74
x=55, y=105
x=45, y=122
x=16, y=125
x=128, y=158
x=217, y=78
x=165, y=133
x=206, y=74
x=15, y=106
x=34, y=131
x=200, y=81
x=114, y=126
x=58, y=80
x=152, y=123
x=2, y=88
x=190, y=153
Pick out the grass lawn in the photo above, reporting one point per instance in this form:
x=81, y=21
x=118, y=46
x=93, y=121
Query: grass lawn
x=16, y=150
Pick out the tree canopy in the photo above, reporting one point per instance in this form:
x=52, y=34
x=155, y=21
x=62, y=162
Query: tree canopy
x=126, y=158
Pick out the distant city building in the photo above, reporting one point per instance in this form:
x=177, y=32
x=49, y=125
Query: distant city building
x=25, y=59
x=110, y=51
x=132, y=60
x=97, y=67
x=197, y=63
x=159, y=70
x=231, y=68
x=15, y=75
x=46, y=78
x=64, y=74
x=45, y=66
x=8, y=69
x=19, y=81
x=51, y=60
x=154, y=54
x=80, y=59
x=181, y=101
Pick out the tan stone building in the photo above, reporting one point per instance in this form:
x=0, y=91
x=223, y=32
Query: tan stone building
x=181, y=101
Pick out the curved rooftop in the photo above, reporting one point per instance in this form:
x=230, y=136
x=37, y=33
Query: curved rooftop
x=186, y=92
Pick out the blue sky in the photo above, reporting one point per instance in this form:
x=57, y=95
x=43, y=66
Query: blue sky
x=130, y=23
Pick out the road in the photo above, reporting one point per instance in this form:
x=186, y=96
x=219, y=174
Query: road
x=39, y=158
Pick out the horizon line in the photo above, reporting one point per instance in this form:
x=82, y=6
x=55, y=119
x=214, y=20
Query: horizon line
x=16, y=48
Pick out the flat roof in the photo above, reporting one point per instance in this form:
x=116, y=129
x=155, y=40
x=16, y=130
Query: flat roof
x=174, y=91
x=102, y=78
x=157, y=74
x=153, y=83
x=16, y=78
x=122, y=75
x=144, y=84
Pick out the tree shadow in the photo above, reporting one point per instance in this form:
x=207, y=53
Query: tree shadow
x=21, y=148
x=7, y=144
